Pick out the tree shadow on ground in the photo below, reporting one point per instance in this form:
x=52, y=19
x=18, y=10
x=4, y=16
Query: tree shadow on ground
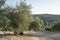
x=42, y=34
x=37, y=34
x=4, y=35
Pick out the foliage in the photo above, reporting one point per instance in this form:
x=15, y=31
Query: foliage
x=16, y=19
x=2, y=2
x=4, y=22
x=21, y=17
x=56, y=27
x=49, y=20
x=37, y=24
x=49, y=29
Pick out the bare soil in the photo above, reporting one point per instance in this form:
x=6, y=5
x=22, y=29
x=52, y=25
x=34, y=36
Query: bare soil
x=42, y=35
x=24, y=38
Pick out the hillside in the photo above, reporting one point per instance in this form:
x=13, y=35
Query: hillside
x=49, y=19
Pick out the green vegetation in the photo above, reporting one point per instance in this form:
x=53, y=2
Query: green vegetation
x=4, y=21
x=56, y=27
x=49, y=29
x=2, y=3
x=37, y=24
x=22, y=19
x=18, y=19
x=48, y=19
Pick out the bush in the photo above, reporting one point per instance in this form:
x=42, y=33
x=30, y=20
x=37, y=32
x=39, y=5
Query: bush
x=36, y=25
x=49, y=29
x=56, y=27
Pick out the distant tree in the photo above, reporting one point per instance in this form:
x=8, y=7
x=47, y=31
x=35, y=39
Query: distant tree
x=37, y=24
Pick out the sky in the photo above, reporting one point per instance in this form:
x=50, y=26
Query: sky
x=40, y=6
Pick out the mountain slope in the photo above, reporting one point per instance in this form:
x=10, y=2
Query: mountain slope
x=49, y=20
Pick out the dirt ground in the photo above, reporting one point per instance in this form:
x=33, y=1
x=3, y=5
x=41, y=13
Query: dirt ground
x=23, y=38
x=44, y=35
